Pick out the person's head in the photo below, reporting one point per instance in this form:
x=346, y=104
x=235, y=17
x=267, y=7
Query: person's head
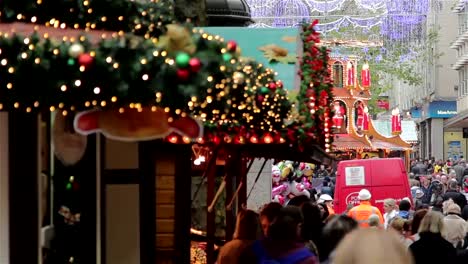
x=374, y=220
x=397, y=224
x=364, y=195
x=370, y=246
x=299, y=200
x=454, y=209
x=268, y=215
x=423, y=180
x=312, y=227
x=404, y=205
x=433, y=222
x=325, y=183
x=415, y=183
x=417, y=218
x=446, y=204
x=453, y=185
x=443, y=179
x=323, y=210
x=247, y=225
x=407, y=227
x=419, y=194
x=287, y=225
x=452, y=175
x=336, y=229
x=389, y=205
x=325, y=198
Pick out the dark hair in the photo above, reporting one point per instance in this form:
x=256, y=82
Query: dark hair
x=247, y=226
x=336, y=229
x=325, y=184
x=407, y=225
x=404, y=205
x=420, y=206
x=284, y=227
x=417, y=218
x=326, y=213
x=312, y=227
x=270, y=211
x=299, y=200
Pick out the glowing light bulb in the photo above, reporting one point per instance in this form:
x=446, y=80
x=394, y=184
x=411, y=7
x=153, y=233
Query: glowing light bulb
x=173, y=139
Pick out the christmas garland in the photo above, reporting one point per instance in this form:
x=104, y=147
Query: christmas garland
x=144, y=18
x=184, y=72
x=163, y=65
x=315, y=95
x=158, y=65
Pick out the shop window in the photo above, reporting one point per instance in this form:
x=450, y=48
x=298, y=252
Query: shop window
x=338, y=74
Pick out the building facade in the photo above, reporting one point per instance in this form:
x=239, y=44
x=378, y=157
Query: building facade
x=434, y=101
x=459, y=123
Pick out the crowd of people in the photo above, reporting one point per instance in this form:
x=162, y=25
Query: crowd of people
x=429, y=227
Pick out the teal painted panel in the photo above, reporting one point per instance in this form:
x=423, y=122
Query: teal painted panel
x=251, y=39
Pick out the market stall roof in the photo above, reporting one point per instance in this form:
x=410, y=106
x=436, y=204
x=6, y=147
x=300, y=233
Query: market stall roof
x=344, y=93
x=408, y=129
x=379, y=141
x=350, y=141
x=381, y=144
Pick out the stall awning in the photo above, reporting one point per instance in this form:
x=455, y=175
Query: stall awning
x=379, y=144
x=346, y=141
x=408, y=129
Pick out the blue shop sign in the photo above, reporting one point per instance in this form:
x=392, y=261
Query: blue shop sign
x=442, y=109
x=415, y=113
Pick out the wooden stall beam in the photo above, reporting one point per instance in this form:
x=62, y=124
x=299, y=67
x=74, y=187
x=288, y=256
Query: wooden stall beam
x=232, y=173
x=210, y=222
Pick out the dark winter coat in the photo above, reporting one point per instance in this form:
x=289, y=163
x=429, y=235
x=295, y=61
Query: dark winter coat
x=457, y=197
x=433, y=248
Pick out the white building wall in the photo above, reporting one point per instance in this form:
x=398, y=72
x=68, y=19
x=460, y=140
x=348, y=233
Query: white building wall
x=446, y=78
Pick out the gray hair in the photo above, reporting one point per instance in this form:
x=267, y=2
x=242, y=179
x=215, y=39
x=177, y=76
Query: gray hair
x=453, y=185
x=374, y=220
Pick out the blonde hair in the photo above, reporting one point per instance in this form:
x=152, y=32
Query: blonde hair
x=432, y=222
x=446, y=205
x=390, y=202
x=397, y=224
x=370, y=246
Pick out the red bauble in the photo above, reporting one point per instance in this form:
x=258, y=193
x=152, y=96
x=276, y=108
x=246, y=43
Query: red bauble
x=216, y=140
x=260, y=99
x=272, y=86
x=195, y=64
x=183, y=74
x=85, y=60
x=231, y=45
x=279, y=84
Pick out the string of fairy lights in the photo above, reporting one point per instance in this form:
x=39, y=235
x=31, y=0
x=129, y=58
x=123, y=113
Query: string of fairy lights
x=96, y=70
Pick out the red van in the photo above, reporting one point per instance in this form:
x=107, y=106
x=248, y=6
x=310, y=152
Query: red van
x=384, y=178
